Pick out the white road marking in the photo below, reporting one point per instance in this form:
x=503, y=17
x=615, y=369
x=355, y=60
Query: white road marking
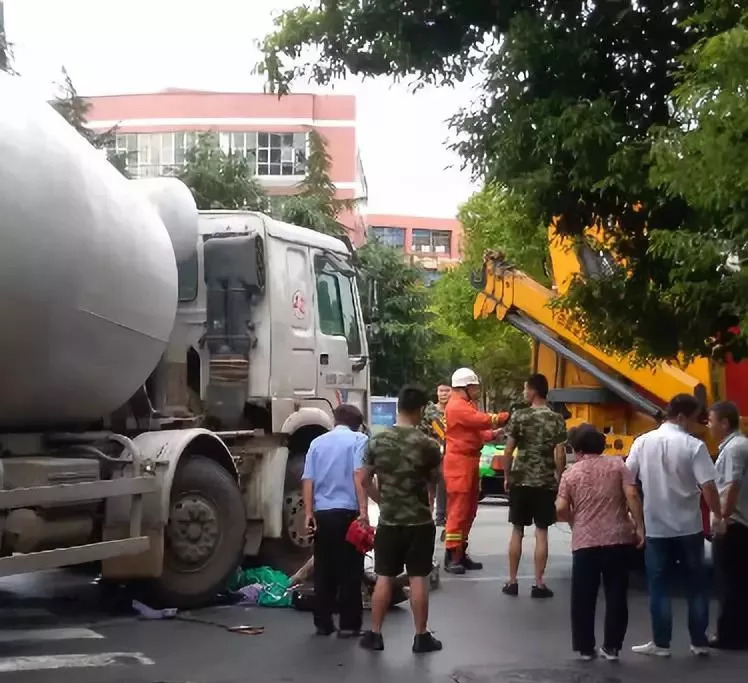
x=11, y=664
x=485, y=579
x=47, y=634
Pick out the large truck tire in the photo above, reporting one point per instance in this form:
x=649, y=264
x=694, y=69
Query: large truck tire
x=289, y=552
x=204, y=539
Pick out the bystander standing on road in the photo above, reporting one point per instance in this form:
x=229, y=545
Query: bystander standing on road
x=531, y=478
x=675, y=469
x=331, y=505
x=730, y=543
x=433, y=425
x=406, y=464
x=597, y=496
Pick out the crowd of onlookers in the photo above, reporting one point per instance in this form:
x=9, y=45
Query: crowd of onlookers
x=666, y=498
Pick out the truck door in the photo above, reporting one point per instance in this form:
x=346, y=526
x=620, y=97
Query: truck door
x=341, y=344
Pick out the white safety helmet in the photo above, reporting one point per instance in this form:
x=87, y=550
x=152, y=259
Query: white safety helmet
x=464, y=377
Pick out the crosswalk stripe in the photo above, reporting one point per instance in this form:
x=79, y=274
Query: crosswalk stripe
x=11, y=664
x=47, y=634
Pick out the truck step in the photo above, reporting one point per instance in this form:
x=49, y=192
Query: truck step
x=79, y=554
x=39, y=496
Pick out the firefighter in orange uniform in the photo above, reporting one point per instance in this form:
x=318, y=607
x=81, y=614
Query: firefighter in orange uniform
x=467, y=431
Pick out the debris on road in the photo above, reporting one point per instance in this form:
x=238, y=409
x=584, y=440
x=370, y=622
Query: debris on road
x=146, y=612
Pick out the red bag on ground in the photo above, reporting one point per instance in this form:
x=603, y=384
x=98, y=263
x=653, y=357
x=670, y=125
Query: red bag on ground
x=360, y=536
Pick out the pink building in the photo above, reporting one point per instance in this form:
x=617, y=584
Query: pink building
x=154, y=132
x=434, y=243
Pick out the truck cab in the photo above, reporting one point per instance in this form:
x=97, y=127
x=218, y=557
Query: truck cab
x=270, y=338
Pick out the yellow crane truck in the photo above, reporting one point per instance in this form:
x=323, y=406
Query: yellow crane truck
x=619, y=397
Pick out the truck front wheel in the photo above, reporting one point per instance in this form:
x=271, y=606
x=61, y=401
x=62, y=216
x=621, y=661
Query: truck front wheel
x=289, y=552
x=204, y=538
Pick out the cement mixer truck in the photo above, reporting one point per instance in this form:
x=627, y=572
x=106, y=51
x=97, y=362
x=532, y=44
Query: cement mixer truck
x=162, y=371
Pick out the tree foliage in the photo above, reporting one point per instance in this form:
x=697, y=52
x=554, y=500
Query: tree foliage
x=399, y=333
x=221, y=180
x=75, y=109
x=315, y=205
x=6, y=50
x=597, y=112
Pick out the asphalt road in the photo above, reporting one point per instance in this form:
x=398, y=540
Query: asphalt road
x=61, y=620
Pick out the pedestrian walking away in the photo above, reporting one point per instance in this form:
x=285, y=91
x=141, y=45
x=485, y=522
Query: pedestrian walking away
x=331, y=504
x=406, y=465
x=531, y=477
x=434, y=426
x=730, y=542
x=598, y=497
x=468, y=430
x=675, y=470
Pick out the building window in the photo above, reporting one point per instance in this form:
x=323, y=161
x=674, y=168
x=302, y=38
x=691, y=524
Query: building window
x=432, y=242
x=281, y=154
x=391, y=237
x=157, y=154
x=336, y=305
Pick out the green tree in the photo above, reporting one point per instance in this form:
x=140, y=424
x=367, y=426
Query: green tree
x=219, y=180
x=315, y=205
x=75, y=109
x=582, y=104
x=399, y=332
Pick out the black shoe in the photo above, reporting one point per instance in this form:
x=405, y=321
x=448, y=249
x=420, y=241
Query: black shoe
x=470, y=564
x=511, y=589
x=717, y=644
x=611, y=654
x=541, y=592
x=425, y=642
x=325, y=630
x=348, y=633
x=372, y=641
x=450, y=565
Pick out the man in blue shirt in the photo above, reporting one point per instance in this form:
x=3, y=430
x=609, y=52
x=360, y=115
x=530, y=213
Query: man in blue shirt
x=331, y=504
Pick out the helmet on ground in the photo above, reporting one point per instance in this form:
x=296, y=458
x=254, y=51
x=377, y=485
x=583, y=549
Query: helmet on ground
x=464, y=377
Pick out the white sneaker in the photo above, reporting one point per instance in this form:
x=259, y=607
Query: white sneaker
x=651, y=650
x=700, y=651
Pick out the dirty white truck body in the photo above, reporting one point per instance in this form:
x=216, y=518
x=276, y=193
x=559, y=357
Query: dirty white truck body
x=162, y=372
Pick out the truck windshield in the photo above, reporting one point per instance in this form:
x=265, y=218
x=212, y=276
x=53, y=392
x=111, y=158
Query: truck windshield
x=336, y=304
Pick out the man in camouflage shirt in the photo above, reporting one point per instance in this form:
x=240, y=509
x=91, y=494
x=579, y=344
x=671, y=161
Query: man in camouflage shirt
x=434, y=426
x=538, y=435
x=406, y=464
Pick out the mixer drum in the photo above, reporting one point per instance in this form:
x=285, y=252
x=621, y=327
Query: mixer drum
x=88, y=278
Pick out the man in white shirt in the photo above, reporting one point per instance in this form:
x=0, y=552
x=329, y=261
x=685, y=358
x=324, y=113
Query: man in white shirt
x=730, y=545
x=675, y=470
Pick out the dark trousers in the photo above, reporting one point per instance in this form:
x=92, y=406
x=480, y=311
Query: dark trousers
x=589, y=565
x=440, y=515
x=731, y=572
x=661, y=556
x=338, y=572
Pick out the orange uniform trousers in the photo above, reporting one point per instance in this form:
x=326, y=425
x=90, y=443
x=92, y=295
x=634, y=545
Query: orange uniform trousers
x=462, y=480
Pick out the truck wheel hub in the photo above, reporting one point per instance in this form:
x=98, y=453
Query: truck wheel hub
x=295, y=520
x=193, y=529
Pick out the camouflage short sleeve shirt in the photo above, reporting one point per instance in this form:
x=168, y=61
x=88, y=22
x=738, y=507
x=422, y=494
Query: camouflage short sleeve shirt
x=536, y=431
x=405, y=462
x=433, y=424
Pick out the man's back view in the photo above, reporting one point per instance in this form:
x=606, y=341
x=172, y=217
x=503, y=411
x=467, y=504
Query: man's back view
x=406, y=464
x=675, y=468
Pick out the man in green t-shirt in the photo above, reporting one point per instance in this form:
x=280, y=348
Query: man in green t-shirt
x=406, y=465
x=538, y=434
x=434, y=426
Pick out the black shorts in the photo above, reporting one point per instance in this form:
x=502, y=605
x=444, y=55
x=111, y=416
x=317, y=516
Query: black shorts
x=411, y=547
x=532, y=505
